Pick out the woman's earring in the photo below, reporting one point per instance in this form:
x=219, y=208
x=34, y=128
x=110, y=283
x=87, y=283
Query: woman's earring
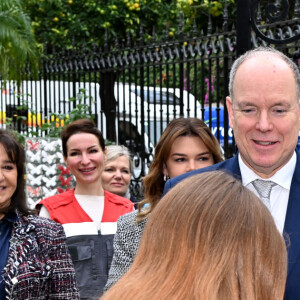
x=166, y=177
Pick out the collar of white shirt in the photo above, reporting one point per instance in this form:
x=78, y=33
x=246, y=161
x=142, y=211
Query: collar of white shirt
x=282, y=177
x=280, y=193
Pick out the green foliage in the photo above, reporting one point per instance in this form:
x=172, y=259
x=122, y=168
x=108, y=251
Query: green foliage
x=54, y=125
x=108, y=142
x=83, y=22
x=56, y=122
x=17, y=42
x=63, y=22
x=20, y=120
x=199, y=10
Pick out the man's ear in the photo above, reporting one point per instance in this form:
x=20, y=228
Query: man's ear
x=230, y=111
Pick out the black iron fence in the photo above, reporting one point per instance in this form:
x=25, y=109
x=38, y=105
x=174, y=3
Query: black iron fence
x=134, y=89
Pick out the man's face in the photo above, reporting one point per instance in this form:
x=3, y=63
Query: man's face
x=264, y=113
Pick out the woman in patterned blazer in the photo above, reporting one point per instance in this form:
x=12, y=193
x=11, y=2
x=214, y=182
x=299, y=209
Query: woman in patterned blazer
x=34, y=259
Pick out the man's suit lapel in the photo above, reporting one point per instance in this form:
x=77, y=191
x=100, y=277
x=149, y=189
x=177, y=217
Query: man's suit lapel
x=232, y=166
x=292, y=219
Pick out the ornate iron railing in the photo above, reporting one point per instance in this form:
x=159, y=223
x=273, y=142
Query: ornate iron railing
x=280, y=32
x=139, y=87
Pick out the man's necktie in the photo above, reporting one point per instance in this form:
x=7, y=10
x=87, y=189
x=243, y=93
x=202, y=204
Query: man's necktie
x=263, y=188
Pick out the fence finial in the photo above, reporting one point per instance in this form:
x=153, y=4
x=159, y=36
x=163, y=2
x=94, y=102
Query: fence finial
x=141, y=35
x=180, y=23
x=258, y=17
x=106, y=40
x=195, y=31
x=116, y=42
x=209, y=25
x=128, y=40
x=153, y=34
x=225, y=17
x=297, y=9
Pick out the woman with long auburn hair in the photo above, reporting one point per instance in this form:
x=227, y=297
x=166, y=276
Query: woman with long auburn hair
x=185, y=145
x=163, y=166
x=209, y=238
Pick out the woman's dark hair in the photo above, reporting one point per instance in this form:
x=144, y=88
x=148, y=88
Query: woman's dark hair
x=80, y=126
x=16, y=155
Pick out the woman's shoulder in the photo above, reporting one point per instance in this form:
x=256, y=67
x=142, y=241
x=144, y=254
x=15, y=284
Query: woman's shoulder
x=129, y=222
x=128, y=218
x=58, y=199
x=45, y=231
x=40, y=225
x=117, y=199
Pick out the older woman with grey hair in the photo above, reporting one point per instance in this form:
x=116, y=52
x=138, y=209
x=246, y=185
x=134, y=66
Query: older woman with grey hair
x=117, y=171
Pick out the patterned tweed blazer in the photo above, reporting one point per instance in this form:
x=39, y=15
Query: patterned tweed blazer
x=38, y=265
x=126, y=242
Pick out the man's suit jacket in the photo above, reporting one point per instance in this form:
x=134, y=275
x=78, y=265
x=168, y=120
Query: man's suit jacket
x=292, y=220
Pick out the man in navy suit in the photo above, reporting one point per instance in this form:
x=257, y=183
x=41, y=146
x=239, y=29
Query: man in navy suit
x=264, y=113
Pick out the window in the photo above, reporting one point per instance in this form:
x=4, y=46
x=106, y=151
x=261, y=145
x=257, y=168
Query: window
x=160, y=96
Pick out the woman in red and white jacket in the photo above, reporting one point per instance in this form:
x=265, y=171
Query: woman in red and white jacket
x=88, y=213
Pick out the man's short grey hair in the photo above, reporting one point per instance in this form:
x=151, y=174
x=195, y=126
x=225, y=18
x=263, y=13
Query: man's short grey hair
x=115, y=151
x=258, y=51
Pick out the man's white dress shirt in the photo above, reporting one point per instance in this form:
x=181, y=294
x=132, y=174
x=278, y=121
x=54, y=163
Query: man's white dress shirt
x=279, y=194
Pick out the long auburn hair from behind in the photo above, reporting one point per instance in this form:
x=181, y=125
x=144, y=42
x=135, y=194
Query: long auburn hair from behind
x=209, y=238
x=154, y=182
x=16, y=154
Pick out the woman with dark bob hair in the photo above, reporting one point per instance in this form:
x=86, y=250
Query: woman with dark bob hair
x=209, y=238
x=88, y=213
x=34, y=258
x=185, y=145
